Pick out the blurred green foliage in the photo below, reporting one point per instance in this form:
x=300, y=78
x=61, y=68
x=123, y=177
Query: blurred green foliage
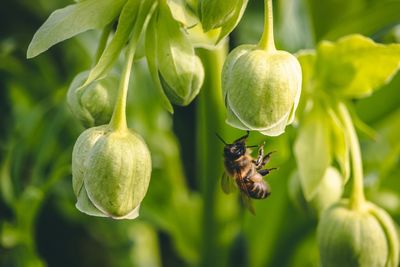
x=185, y=219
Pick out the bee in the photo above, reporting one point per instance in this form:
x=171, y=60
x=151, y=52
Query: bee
x=245, y=172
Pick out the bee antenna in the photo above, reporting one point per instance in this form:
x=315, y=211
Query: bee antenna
x=220, y=138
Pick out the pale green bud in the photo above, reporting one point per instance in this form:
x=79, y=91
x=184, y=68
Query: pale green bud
x=261, y=89
x=93, y=104
x=179, y=69
x=110, y=172
x=182, y=89
x=357, y=238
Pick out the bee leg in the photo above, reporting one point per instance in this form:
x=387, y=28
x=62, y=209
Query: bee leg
x=259, y=160
x=243, y=138
x=265, y=160
x=265, y=171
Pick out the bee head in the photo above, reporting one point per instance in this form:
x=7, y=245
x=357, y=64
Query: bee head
x=235, y=150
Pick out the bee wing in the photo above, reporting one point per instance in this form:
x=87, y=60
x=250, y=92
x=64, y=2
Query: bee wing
x=247, y=202
x=227, y=183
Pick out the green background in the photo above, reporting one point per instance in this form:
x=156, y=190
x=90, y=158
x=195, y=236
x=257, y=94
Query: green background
x=185, y=218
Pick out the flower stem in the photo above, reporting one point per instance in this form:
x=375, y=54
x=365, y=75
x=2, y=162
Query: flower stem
x=267, y=39
x=357, y=198
x=210, y=110
x=118, y=120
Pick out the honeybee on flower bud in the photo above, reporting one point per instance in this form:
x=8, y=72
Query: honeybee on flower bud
x=245, y=172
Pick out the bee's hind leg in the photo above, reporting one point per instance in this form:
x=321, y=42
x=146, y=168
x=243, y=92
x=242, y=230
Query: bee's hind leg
x=267, y=158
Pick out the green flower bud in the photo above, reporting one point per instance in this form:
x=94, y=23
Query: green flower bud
x=93, y=105
x=215, y=13
x=365, y=237
x=179, y=69
x=182, y=89
x=329, y=192
x=261, y=89
x=110, y=172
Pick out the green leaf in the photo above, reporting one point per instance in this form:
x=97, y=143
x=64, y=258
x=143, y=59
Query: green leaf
x=228, y=27
x=182, y=12
x=307, y=59
x=71, y=20
x=201, y=39
x=326, y=14
x=312, y=150
x=126, y=22
x=372, y=18
x=151, y=56
x=355, y=66
x=215, y=13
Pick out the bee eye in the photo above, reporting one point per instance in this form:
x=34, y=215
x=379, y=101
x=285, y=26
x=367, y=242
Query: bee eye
x=238, y=151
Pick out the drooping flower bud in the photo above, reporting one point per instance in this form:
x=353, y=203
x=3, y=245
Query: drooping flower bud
x=329, y=192
x=261, y=89
x=93, y=105
x=364, y=238
x=180, y=70
x=261, y=85
x=111, y=172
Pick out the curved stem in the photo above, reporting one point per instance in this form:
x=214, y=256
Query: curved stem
x=118, y=120
x=357, y=198
x=267, y=39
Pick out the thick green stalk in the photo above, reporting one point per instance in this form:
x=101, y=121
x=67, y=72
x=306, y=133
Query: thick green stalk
x=210, y=120
x=267, y=39
x=118, y=120
x=357, y=198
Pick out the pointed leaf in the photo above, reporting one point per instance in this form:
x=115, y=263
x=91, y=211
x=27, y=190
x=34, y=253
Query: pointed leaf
x=151, y=56
x=71, y=20
x=228, y=27
x=355, y=66
x=312, y=150
x=215, y=13
x=307, y=59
